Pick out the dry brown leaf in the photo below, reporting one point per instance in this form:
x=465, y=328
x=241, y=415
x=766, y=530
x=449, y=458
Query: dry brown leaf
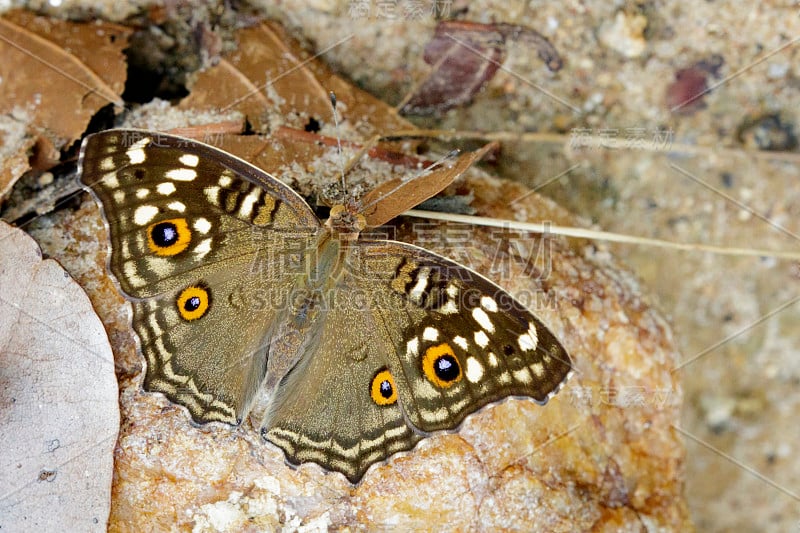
x=398, y=195
x=14, y=149
x=56, y=75
x=274, y=81
x=59, y=415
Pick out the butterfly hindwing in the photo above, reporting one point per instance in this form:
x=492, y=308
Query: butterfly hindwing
x=473, y=344
x=340, y=409
x=428, y=342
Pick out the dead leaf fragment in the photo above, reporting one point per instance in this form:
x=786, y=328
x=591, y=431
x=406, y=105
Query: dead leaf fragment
x=398, y=195
x=55, y=76
x=59, y=415
x=275, y=82
x=465, y=56
x=14, y=148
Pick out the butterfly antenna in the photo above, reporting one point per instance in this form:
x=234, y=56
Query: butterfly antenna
x=338, y=139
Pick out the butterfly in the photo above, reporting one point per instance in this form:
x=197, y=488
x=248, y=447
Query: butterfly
x=342, y=349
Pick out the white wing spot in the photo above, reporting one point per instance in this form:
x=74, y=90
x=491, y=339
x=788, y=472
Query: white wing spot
x=181, y=174
x=177, y=206
x=452, y=290
x=110, y=180
x=165, y=188
x=142, y=193
x=136, y=156
x=481, y=339
x=126, y=246
x=538, y=369
x=458, y=406
x=144, y=214
x=190, y=160
x=492, y=359
x=203, y=248
x=246, y=210
x=412, y=347
x=436, y=416
x=488, y=303
x=225, y=180
x=119, y=196
x=526, y=343
x=533, y=333
x=107, y=163
x=136, y=151
x=523, y=375
x=202, y=225
x=482, y=319
x=212, y=193
x=419, y=287
x=449, y=308
x=132, y=273
x=474, y=370
x=430, y=334
x=461, y=342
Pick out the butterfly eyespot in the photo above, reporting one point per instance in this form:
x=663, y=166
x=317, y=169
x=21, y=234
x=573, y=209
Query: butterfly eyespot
x=382, y=389
x=441, y=365
x=169, y=237
x=193, y=302
x=508, y=350
x=139, y=173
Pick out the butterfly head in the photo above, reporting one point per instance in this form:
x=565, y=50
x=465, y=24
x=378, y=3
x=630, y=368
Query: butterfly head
x=345, y=221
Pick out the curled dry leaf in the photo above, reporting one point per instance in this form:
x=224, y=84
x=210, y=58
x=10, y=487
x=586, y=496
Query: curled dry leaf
x=465, y=56
x=56, y=75
x=273, y=81
x=398, y=195
x=59, y=415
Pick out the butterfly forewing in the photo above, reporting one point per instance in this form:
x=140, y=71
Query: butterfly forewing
x=197, y=242
x=178, y=209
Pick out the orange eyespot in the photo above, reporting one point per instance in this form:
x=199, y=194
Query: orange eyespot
x=193, y=302
x=168, y=237
x=441, y=365
x=382, y=389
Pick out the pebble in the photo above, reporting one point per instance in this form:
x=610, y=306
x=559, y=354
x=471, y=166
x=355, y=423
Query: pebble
x=626, y=34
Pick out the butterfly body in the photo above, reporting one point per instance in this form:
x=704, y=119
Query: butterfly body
x=343, y=349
